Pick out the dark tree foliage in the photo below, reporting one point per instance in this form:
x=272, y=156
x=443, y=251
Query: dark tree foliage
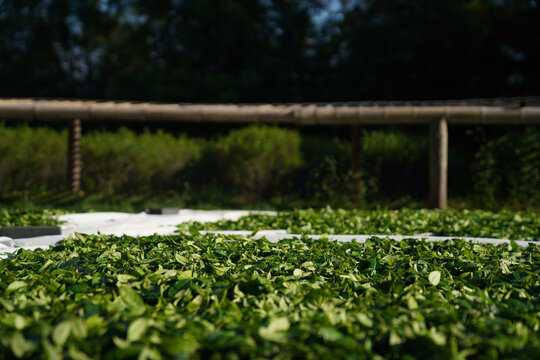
x=400, y=49
x=269, y=51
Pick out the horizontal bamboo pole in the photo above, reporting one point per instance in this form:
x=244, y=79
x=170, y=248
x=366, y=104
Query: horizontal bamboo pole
x=54, y=110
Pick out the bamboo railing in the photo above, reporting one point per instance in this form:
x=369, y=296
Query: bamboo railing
x=437, y=114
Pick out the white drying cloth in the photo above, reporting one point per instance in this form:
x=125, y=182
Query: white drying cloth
x=143, y=224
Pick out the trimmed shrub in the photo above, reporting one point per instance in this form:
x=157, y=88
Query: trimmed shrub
x=256, y=163
x=386, y=156
x=508, y=170
x=395, y=164
x=324, y=176
x=125, y=162
x=256, y=159
x=32, y=158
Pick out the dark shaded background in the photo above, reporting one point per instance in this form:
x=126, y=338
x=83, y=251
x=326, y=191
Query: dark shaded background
x=269, y=51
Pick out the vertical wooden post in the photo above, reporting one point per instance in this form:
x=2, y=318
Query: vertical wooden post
x=74, y=156
x=356, y=158
x=438, y=164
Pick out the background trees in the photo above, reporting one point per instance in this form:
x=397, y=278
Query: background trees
x=269, y=51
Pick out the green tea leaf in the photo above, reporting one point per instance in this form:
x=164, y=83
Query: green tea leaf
x=137, y=329
x=275, y=330
x=61, y=332
x=434, y=277
x=16, y=285
x=76, y=354
x=18, y=344
x=19, y=322
x=132, y=300
x=52, y=352
x=364, y=319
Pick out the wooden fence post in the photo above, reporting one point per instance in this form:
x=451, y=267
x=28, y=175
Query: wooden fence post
x=74, y=156
x=438, y=163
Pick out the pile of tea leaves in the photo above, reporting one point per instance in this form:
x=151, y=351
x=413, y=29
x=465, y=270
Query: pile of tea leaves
x=467, y=223
x=214, y=296
x=25, y=217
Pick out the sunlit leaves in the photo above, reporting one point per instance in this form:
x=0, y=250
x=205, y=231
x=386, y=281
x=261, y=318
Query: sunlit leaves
x=275, y=330
x=435, y=277
x=132, y=299
x=504, y=224
x=23, y=217
x=137, y=328
x=16, y=285
x=205, y=296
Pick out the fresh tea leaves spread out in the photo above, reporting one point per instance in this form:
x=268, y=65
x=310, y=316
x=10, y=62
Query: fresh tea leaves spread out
x=213, y=296
x=23, y=217
x=476, y=223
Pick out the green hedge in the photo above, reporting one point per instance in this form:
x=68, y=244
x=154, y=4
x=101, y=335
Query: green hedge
x=32, y=158
x=256, y=159
x=508, y=168
x=125, y=162
x=259, y=163
x=395, y=164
